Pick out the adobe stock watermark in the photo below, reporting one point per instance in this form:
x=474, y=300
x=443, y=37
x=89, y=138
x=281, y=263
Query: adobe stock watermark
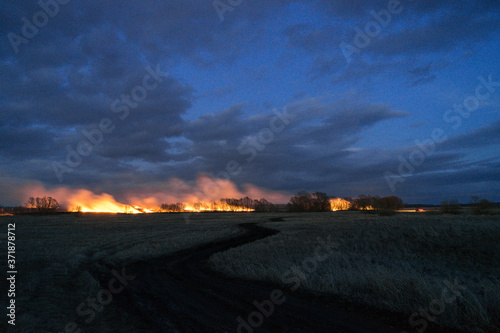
x=372, y=29
x=420, y=320
x=30, y=28
x=94, y=137
x=407, y=166
x=89, y=308
x=249, y=148
x=224, y=6
x=293, y=277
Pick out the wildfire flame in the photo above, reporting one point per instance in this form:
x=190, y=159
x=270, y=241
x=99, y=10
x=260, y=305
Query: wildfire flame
x=340, y=204
x=215, y=207
x=203, y=195
x=109, y=207
x=88, y=202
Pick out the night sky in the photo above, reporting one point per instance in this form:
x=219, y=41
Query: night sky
x=344, y=97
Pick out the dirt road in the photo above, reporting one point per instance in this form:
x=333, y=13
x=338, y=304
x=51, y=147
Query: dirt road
x=177, y=293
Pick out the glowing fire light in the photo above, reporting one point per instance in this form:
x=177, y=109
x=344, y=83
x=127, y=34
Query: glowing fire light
x=340, y=204
x=110, y=207
x=88, y=202
x=203, y=195
x=215, y=207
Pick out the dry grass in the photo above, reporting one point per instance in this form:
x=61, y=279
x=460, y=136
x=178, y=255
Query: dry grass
x=396, y=263
x=58, y=257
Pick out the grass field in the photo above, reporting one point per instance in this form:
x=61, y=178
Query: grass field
x=398, y=263
x=58, y=256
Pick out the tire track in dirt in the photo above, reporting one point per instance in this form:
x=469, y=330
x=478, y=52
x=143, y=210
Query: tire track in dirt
x=177, y=293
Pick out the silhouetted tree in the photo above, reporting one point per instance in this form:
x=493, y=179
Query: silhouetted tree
x=390, y=203
x=247, y=203
x=31, y=204
x=42, y=205
x=366, y=202
x=300, y=202
x=236, y=204
x=320, y=202
x=480, y=206
x=263, y=205
x=78, y=209
x=173, y=208
x=307, y=202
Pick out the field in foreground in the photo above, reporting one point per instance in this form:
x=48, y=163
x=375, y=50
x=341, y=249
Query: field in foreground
x=58, y=258
x=403, y=263
x=396, y=264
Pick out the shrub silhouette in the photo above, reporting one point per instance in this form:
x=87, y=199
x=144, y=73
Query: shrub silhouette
x=482, y=206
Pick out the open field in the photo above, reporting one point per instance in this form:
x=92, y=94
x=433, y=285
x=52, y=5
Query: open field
x=58, y=257
x=398, y=263
x=395, y=264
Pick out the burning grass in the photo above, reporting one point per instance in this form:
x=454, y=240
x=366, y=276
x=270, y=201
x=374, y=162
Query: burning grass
x=396, y=263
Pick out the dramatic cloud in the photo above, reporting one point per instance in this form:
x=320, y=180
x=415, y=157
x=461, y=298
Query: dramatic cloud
x=151, y=97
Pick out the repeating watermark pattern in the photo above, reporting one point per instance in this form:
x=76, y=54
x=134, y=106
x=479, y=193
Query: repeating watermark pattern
x=420, y=320
x=31, y=28
x=293, y=278
x=249, y=148
x=372, y=29
x=222, y=7
x=95, y=136
x=427, y=147
x=89, y=308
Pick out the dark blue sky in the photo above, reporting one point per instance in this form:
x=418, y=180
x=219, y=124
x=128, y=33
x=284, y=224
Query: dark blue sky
x=363, y=83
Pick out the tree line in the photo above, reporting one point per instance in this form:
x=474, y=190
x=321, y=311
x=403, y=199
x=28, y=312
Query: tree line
x=301, y=202
x=477, y=206
x=225, y=204
x=321, y=202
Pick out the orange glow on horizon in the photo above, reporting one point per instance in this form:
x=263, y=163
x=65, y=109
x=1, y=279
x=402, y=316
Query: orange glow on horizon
x=106, y=206
x=205, y=194
x=215, y=207
x=340, y=204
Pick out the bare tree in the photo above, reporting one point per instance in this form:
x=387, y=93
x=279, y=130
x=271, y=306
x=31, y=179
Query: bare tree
x=307, y=202
x=263, y=205
x=30, y=204
x=173, y=208
x=366, y=202
x=42, y=205
x=390, y=203
x=480, y=206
